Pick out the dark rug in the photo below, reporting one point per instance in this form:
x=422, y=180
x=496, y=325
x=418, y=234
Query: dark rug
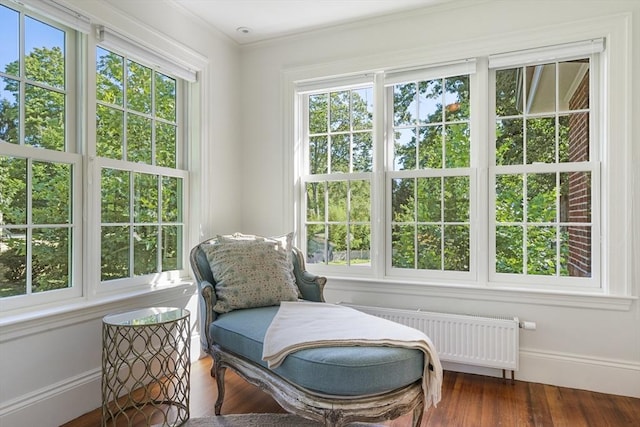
x=260, y=420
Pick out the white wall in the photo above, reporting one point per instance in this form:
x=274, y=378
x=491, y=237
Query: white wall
x=50, y=363
x=588, y=343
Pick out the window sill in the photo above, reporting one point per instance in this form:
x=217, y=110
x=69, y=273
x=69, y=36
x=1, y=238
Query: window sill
x=23, y=323
x=483, y=293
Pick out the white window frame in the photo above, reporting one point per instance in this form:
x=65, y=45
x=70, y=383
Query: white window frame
x=616, y=289
x=592, y=50
x=303, y=91
x=82, y=37
x=71, y=156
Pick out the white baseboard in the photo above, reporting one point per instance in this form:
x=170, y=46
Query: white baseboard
x=576, y=371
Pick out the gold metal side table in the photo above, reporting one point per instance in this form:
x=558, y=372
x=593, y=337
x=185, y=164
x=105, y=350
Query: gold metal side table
x=146, y=367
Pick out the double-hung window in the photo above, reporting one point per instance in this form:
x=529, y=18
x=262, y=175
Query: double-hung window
x=338, y=175
x=480, y=176
x=139, y=155
x=93, y=164
x=40, y=160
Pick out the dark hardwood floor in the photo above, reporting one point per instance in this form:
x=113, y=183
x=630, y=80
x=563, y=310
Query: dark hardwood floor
x=467, y=401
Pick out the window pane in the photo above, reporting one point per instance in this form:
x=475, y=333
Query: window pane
x=575, y=197
x=362, y=152
x=541, y=140
x=402, y=200
x=171, y=199
x=403, y=246
x=51, y=259
x=145, y=250
x=138, y=139
x=509, y=92
x=430, y=247
x=429, y=193
x=340, y=145
x=404, y=149
x=509, y=252
x=318, y=109
x=115, y=195
x=110, y=77
x=319, y=250
x=541, y=250
x=13, y=262
x=509, y=142
x=165, y=98
x=318, y=154
x=171, y=243
x=44, y=118
x=44, y=53
x=540, y=88
x=339, y=111
x=360, y=204
x=456, y=247
x=166, y=145
x=404, y=104
x=362, y=107
x=360, y=245
x=509, y=198
x=430, y=101
x=430, y=149
x=109, y=132
x=456, y=98
x=575, y=251
x=337, y=201
x=456, y=199
x=51, y=193
x=315, y=201
x=138, y=87
x=457, y=153
x=145, y=201
x=114, y=253
x=574, y=137
x=541, y=197
x=10, y=111
x=338, y=243
x=10, y=53
x=13, y=190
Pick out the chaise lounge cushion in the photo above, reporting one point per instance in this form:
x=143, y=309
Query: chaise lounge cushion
x=343, y=371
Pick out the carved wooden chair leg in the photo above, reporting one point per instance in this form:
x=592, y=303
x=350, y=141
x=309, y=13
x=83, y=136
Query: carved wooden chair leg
x=418, y=412
x=220, y=371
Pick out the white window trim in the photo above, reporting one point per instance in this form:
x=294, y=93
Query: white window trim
x=618, y=289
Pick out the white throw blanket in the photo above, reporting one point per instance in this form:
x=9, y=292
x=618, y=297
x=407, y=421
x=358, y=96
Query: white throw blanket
x=301, y=325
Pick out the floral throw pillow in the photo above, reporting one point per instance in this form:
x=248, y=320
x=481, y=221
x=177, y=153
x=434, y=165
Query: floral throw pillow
x=251, y=271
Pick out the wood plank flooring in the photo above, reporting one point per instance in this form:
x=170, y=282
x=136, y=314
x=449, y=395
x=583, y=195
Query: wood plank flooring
x=468, y=401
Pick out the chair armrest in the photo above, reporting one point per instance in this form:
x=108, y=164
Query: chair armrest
x=208, y=299
x=311, y=285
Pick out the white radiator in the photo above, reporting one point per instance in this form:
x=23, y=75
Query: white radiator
x=472, y=340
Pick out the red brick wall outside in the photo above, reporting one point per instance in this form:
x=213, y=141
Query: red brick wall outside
x=579, y=185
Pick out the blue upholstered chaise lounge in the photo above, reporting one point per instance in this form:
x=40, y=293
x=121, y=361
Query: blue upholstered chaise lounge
x=333, y=385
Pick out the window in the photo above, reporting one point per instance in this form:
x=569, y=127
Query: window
x=544, y=171
x=337, y=183
x=40, y=234
x=141, y=186
x=516, y=206
x=84, y=215
x=430, y=175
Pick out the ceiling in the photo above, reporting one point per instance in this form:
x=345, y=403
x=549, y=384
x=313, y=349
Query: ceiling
x=267, y=19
